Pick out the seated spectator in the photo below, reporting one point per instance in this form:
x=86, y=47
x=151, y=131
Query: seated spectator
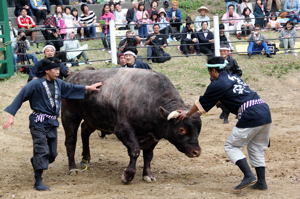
x=206, y=40
x=22, y=4
x=174, y=14
x=120, y=17
x=293, y=9
x=55, y=2
x=188, y=38
x=88, y=21
x=156, y=42
x=287, y=37
x=80, y=30
x=131, y=61
x=153, y=20
x=130, y=42
x=277, y=3
x=231, y=2
x=247, y=23
x=231, y=21
x=106, y=17
x=26, y=22
x=259, y=13
x=89, y=1
x=202, y=17
x=273, y=23
x=61, y=25
x=122, y=59
x=39, y=9
x=49, y=53
x=20, y=47
x=74, y=50
x=164, y=23
x=257, y=42
x=142, y=20
x=69, y=20
x=131, y=15
x=223, y=39
x=153, y=8
x=246, y=4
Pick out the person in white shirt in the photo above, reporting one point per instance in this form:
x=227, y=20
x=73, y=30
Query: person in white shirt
x=203, y=11
x=120, y=17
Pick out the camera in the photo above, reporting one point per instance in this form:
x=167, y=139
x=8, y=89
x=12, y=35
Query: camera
x=23, y=38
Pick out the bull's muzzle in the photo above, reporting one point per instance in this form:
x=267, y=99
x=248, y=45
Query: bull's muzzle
x=193, y=153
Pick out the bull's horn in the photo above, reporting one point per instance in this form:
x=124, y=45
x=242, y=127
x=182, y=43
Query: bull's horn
x=173, y=115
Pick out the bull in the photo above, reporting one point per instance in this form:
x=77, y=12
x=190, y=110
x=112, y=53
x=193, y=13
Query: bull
x=138, y=106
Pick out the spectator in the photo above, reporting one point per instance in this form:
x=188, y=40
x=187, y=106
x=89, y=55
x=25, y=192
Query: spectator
x=69, y=20
x=153, y=20
x=55, y=39
x=39, y=9
x=111, y=6
x=223, y=39
x=80, y=30
x=278, y=5
x=20, y=47
x=164, y=23
x=59, y=9
x=89, y=1
x=273, y=23
x=49, y=53
x=106, y=17
x=50, y=26
x=74, y=50
x=259, y=13
x=130, y=42
x=26, y=22
x=188, y=38
x=247, y=22
x=153, y=8
x=131, y=61
x=287, y=37
x=174, y=14
x=131, y=15
x=122, y=59
x=142, y=20
x=61, y=25
x=293, y=9
x=155, y=42
x=120, y=17
x=202, y=17
x=206, y=40
x=88, y=21
x=231, y=21
x=56, y=2
x=246, y=4
x=231, y=2
x=257, y=42
x=22, y=4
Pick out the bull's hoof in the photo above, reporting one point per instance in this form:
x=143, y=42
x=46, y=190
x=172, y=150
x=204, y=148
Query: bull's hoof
x=84, y=165
x=128, y=176
x=73, y=172
x=149, y=179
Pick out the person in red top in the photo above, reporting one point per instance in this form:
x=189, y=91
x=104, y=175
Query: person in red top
x=26, y=22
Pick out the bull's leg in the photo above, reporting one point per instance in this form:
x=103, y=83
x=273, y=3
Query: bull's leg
x=148, y=155
x=86, y=131
x=126, y=135
x=70, y=123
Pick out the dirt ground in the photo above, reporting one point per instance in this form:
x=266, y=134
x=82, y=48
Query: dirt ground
x=209, y=176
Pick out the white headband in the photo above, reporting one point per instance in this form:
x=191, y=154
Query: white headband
x=49, y=46
x=130, y=53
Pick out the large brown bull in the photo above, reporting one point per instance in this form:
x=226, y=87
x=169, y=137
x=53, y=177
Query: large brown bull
x=138, y=106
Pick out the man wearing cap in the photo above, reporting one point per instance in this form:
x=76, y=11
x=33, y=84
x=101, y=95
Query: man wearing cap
x=44, y=96
x=131, y=61
x=202, y=17
x=49, y=52
x=254, y=120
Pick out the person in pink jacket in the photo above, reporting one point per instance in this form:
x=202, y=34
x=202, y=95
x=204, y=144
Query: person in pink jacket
x=143, y=18
x=106, y=17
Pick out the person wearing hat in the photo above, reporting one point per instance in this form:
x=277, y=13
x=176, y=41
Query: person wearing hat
x=49, y=52
x=254, y=120
x=202, y=17
x=188, y=42
x=132, y=62
x=44, y=96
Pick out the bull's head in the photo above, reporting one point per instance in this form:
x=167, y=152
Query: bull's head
x=183, y=133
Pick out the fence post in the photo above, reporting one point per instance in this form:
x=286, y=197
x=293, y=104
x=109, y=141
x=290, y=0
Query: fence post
x=113, y=42
x=216, y=36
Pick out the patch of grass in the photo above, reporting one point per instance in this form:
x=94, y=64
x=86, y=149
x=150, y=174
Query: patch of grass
x=278, y=70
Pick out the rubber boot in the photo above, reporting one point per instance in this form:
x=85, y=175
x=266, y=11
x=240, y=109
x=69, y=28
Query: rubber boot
x=38, y=185
x=261, y=180
x=222, y=115
x=226, y=115
x=249, y=178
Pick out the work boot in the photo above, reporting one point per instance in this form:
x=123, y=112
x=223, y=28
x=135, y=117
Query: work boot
x=269, y=56
x=226, y=115
x=249, y=178
x=38, y=185
x=261, y=181
x=222, y=115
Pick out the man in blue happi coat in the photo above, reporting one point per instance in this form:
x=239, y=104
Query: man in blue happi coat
x=44, y=95
x=254, y=120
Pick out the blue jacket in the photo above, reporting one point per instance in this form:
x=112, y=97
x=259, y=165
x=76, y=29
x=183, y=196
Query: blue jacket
x=177, y=14
x=288, y=7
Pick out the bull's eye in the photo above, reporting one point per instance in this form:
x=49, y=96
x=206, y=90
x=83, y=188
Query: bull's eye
x=182, y=131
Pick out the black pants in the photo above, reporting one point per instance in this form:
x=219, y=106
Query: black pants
x=186, y=46
x=39, y=14
x=176, y=28
x=44, y=146
x=205, y=49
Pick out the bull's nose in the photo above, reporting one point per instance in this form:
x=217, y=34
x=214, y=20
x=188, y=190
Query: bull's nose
x=196, y=153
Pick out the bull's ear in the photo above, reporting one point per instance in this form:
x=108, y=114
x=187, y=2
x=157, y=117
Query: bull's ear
x=164, y=113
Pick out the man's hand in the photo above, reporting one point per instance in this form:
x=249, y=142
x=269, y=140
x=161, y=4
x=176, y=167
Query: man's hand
x=9, y=122
x=182, y=115
x=94, y=87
